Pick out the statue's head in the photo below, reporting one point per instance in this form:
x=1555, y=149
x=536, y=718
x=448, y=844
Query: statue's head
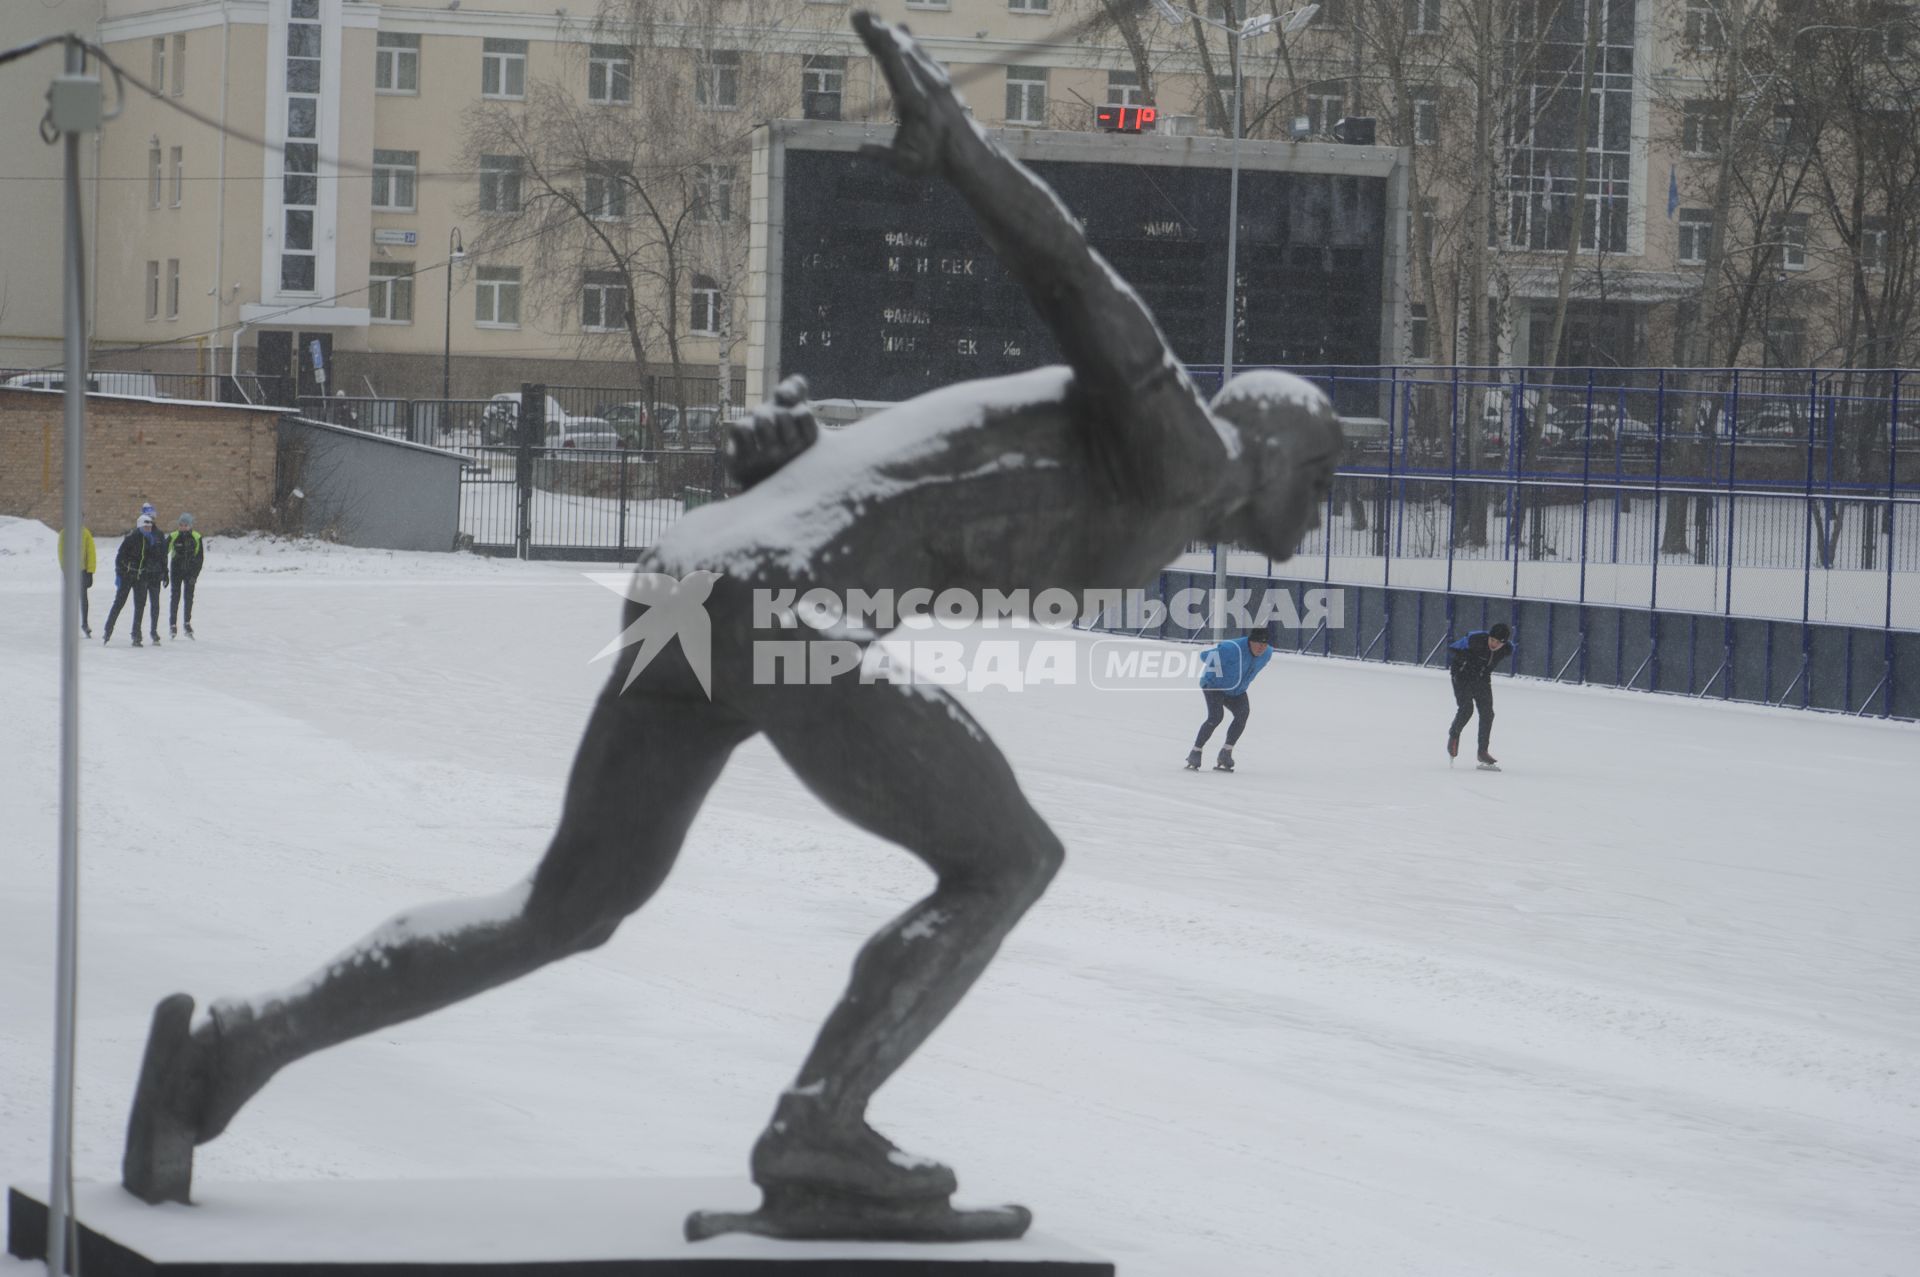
x=1290, y=439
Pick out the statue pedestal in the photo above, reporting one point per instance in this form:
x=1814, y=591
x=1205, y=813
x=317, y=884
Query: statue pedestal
x=454, y=1228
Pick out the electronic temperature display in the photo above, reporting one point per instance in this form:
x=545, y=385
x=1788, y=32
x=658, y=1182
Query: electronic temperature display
x=1125, y=119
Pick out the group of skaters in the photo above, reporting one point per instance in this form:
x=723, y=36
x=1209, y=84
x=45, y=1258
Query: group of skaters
x=146, y=561
x=1229, y=669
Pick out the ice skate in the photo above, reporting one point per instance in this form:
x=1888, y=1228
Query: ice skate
x=1487, y=762
x=158, y=1166
x=189, y=629
x=1193, y=761
x=818, y=1180
x=1224, y=763
x=1453, y=749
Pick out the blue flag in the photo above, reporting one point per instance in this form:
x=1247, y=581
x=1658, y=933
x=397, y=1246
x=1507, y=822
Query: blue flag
x=1673, y=190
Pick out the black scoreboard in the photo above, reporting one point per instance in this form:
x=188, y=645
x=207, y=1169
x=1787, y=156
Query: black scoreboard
x=889, y=290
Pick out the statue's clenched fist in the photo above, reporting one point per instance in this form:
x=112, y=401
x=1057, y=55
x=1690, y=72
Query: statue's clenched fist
x=777, y=433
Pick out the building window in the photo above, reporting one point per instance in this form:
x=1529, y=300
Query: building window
x=1873, y=244
x=716, y=81
x=180, y=64
x=1424, y=220
x=503, y=69
x=1030, y=6
x=500, y=184
x=1325, y=106
x=153, y=176
x=609, y=75
x=173, y=288
x=157, y=73
x=1700, y=128
x=1026, y=95
x=704, y=321
x=1786, y=343
x=606, y=193
x=496, y=297
x=396, y=63
x=300, y=157
x=390, y=292
x=1123, y=89
x=395, y=174
x=1418, y=349
x=603, y=302
x=178, y=164
x=1696, y=235
x=822, y=80
x=1220, y=104
x=1423, y=17
x=1545, y=207
x=1426, y=117
x=713, y=193
x=1790, y=234
x=1704, y=32
x=153, y=290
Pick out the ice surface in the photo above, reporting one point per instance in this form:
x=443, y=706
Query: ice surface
x=1644, y=1002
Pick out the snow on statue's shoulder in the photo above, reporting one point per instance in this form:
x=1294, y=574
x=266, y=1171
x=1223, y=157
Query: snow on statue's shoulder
x=1267, y=386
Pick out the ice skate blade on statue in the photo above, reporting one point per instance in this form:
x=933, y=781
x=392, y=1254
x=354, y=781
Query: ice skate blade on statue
x=808, y=1214
x=161, y=1131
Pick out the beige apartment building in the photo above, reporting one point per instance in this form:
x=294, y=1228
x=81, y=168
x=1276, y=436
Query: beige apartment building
x=209, y=249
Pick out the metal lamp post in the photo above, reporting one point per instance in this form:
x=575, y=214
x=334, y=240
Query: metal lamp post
x=456, y=252
x=1259, y=25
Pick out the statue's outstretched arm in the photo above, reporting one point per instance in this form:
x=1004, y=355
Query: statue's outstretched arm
x=1121, y=362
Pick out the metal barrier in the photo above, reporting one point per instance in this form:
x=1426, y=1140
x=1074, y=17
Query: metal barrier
x=246, y=388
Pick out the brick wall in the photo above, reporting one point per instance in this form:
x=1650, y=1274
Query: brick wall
x=212, y=460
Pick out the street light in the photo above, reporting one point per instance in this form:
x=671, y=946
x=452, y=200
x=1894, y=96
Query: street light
x=456, y=252
x=1259, y=25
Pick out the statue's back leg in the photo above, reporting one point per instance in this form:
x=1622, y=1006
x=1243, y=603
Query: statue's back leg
x=643, y=768
x=910, y=765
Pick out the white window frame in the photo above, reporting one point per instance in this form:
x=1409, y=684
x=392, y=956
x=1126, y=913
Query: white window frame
x=613, y=66
x=392, y=51
x=489, y=294
x=157, y=66
x=1701, y=118
x=1875, y=242
x=180, y=64
x=1228, y=102
x=817, y=79
x=1695, y=239
x=716, y=80
x=704, y=298
x=601, y=285
x=1423, y=17
x=173, y=288
x=177, y=161
x=1704, y=32
x=156, y=178
x=503, y=64
x=153, y=290
x=1794, y=232
x=1324, y=110
x=1027, y=85
x=609, y=202
x=500, y=172
x=1426, y=118
x=1036, y=7
x=1122, y=93
x=1419, y=334
x=388, y=173
x=713, y=194
x=387, y=283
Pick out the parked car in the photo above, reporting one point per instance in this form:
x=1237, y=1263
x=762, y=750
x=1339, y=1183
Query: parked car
x=699, y=430
x=143, y=384
x=499, y=421
x=631, y=421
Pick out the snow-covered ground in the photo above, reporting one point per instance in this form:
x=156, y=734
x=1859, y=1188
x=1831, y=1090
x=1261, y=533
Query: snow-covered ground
x=1643, y=1003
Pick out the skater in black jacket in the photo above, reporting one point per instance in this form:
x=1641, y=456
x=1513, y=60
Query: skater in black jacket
x=139, y=567
x=1471, y=661
x=186, y=555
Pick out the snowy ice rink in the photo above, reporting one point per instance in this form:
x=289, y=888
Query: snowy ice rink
x=1646, y=1002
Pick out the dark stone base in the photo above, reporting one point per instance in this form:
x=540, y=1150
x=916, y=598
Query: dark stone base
x=534, y=1228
